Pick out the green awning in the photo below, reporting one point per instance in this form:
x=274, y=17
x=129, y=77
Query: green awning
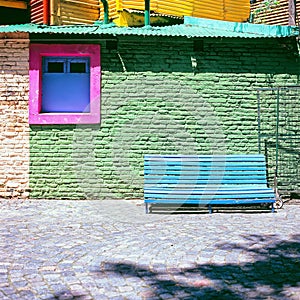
x=191, y=28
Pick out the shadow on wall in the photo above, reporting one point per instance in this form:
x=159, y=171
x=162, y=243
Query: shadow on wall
x=20, y=16
x=274, y=273
x=226, y=55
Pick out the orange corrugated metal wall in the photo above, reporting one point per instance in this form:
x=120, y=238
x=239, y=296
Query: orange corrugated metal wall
x=229, y=10
x=37, y=13
x=78, y=12
x=64, y=12
x=71, y=12
x=67, y=12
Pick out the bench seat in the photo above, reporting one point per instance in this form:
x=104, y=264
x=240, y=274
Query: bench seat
x=206, y=180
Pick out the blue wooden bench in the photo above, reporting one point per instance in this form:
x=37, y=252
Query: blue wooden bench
x=206, y=180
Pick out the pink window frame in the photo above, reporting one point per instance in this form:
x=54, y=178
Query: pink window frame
x=37, y=52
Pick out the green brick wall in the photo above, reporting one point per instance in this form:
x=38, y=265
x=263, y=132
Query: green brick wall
x=288, y=151
x=160, y=96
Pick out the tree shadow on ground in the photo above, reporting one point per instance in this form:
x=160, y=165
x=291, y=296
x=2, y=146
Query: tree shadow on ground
x=271, y=272
x=67, y=295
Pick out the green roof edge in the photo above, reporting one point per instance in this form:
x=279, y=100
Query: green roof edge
x=261, y=29
x=192, y=27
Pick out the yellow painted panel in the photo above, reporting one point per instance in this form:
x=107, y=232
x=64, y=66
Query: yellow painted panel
x=177, y=8
x=138, y=4
x=79, y=3
x=229, y=10
x=135, y=19
x=133, y=5
x=118, y=4
x=13, y=4
x=88, y=11
x=85, y=13
x=77, y=12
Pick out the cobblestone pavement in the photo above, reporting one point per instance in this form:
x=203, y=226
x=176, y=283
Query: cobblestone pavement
x=113, y=250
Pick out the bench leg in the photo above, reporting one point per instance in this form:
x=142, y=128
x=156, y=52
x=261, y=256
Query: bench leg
x=209, y=209
x=273, y=208
x=147, y=209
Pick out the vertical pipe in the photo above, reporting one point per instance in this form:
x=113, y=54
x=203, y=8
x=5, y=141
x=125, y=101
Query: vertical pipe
x=147, y=13
x=267, y=160
x=46, y=12
x=52, y=13
x=105, y=7
x=258, y=121
x=292, y=12
x=118, y=5
x=277, y=132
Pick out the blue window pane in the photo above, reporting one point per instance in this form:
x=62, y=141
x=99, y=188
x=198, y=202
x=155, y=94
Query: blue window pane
x=77, y=67
x=67, y=91
x=55, y=67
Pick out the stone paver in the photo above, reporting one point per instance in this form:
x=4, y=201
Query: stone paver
x=113, y=250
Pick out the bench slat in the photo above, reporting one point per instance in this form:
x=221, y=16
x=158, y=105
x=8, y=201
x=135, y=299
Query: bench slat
x=203, y=187
x=207, y=167
x=210, y=192
x=206, y=176
x=207, y=202
x=207, y=197
x=190, y=171
x=206, y=181
x=211, y=158
x=237, y=188
x=202, y=163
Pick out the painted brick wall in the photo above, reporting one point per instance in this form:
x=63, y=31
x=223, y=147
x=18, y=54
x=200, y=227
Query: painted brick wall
x=288, y=150
x=14, y=129
x=160, y=96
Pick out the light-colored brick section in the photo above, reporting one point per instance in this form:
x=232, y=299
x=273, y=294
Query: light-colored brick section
x=14, y=128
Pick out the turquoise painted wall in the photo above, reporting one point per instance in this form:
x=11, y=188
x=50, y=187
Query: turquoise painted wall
x=160, y=96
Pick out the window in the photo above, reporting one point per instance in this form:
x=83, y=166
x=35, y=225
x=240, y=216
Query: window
x=64, y=84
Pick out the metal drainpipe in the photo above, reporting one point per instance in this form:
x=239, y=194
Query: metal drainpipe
x=147, y=13
x=292, y=13
x=46, y=12
x=52, y=18
x=105, y=6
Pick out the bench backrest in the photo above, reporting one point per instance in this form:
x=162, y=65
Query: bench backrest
x=189, y=171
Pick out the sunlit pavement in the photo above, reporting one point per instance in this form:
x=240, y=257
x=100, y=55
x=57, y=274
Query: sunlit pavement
x=113, y=250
